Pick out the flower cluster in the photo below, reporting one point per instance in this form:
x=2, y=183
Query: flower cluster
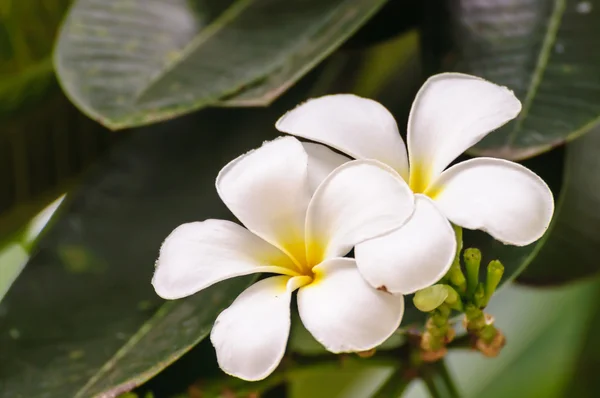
x=305, y=207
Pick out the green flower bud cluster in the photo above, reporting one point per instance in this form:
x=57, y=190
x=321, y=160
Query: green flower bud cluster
x=461, y=290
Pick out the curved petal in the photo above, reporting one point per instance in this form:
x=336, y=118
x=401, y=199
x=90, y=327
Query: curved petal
x=251, y=335
x=199, y=254
x=412, y=257
x=267, y=190
x=343, y=312
x=360, y=200
x=503, y=198
x=321, y=162
x=451, y=113
x=360, y=127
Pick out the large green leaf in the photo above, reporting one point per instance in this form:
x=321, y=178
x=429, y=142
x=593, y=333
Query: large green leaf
x=135, y=62
x=42, y=149
x=546, y=51
x=44, y=140
x=81, y=319
x=572, y=248
x=15, y=254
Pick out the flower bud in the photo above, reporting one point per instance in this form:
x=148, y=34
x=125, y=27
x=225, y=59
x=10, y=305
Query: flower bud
x=430, y=298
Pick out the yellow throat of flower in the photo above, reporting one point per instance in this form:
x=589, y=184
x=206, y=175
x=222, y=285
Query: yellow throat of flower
x=420, y=178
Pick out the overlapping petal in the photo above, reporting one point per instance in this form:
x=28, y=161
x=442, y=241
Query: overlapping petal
x=321, y=162
x=412, y=257
x=199, y=254
x=360, y=200
x=451, y=113
x=503, y=198
x=267, y=190
x=343, y=312
x=251, y=335
x=360, y=127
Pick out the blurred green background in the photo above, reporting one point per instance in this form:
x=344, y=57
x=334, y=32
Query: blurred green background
x=131, y=107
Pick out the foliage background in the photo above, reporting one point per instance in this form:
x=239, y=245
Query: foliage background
x=192, y=84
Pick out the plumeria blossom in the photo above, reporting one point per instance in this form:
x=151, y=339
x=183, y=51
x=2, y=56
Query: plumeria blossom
x=451, y=112
x=302, y=217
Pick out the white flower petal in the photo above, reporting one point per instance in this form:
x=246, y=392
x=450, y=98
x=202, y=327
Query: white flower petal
x=360, y=200
x=321, y=162
x=410, y=258
x=251, y=335
x=451, y=113
x=199, y=254
x=360, y=127
x=505, y=199
x=343, y=312
x=267, y=190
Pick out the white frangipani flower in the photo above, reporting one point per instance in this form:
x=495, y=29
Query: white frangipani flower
x=450, y=113
x=301, y=221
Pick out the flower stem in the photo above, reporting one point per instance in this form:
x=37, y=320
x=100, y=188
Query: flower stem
x=488, y=339
x=438, y=333
x=394, y=386
x=438, y=380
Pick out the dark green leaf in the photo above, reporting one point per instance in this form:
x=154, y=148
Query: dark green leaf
x=584, y=378
x=572, y=248
x=135, y=62
x=546, y=51
x=327, y=381
x=44, y=140
x=81, y=319
x=42, y=149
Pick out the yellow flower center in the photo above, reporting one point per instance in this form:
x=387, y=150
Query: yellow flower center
x=304, y=256
x=420, y=181
x=420, y=178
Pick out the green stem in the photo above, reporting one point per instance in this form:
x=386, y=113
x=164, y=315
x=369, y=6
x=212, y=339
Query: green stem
x=394, y=386
x=438, y=380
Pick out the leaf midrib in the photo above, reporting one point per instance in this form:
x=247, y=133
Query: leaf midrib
x=229, y=14
x=540, y=68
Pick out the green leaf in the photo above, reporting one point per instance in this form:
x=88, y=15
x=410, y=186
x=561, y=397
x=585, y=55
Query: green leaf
x=44, y=140
x=81, y=320
x=335, y=382
x=15, y=254
x=572, y=248
x=43, y=148
x=132, y=62
x=584, y=383
x=546, y=51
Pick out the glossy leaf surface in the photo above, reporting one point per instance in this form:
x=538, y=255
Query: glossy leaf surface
x=128, y=63
x=82, y=319
x=543, y=50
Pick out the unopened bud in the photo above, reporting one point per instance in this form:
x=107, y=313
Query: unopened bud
x=472, y=259
x=430, y=298
x=453, y=300
x=457, y=278
x=495, y=270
